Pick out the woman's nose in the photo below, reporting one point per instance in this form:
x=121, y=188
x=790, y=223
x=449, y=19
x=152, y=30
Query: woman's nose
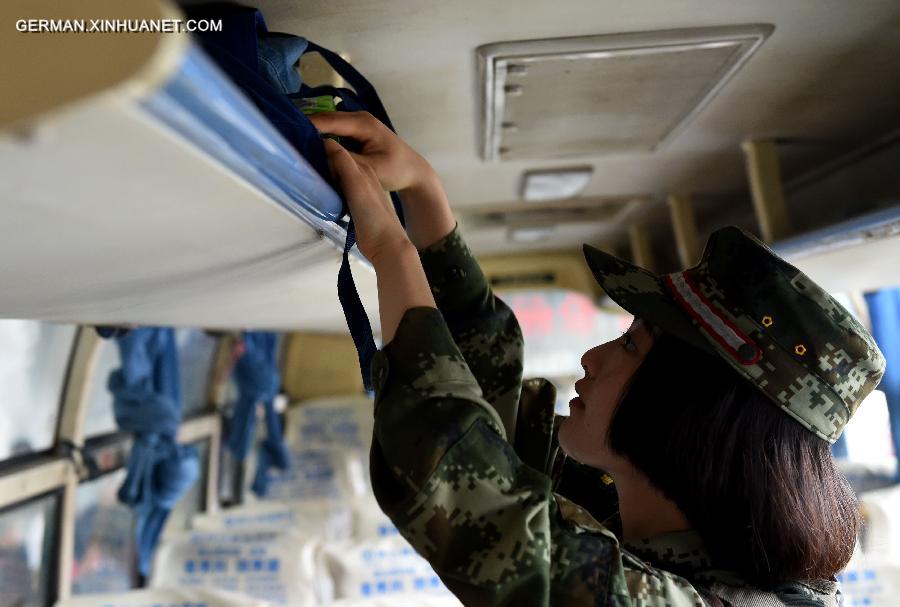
x=588, y=361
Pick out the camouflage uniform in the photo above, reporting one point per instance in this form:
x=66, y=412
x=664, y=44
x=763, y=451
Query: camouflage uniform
x=465, y=462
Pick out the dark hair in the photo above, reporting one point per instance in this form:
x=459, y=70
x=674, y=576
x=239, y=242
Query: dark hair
x=762, y=491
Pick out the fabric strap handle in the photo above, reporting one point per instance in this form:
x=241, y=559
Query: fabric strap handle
x=364, y=97
x=364, y=89
x=355, y=313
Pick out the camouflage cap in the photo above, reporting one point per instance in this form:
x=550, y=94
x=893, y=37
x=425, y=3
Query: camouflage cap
x=767, y=319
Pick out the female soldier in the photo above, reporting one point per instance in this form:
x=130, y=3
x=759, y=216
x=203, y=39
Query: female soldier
x=713, y=414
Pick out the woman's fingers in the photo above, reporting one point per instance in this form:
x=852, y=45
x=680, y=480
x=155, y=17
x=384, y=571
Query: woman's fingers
x=398, y=166
x=340, y=161
x=377, y=225
x=362, y=160
x=345, y=169
x=357, y=178
x=338, y=157
x=361, y=126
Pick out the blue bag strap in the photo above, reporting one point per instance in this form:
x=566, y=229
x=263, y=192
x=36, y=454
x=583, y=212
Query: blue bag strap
x=355, y=313
x=350, y=101
x=362, y=97
x=364, y=89
x=236, y=50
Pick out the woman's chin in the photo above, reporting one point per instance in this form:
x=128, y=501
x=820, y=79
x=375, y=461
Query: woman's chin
x=576, y=443
x=567, y=428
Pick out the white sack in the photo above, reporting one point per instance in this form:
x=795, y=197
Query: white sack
x=165, y=597
x=407, y=600
x=329, y=443
x=319, y=473
x=342, y=421
x=380, y=567
x=369, y=520
x=279, y=567
x=327, y=520
x=881, y=532
x=872, y=577
x=310, y=519
x=870, y=582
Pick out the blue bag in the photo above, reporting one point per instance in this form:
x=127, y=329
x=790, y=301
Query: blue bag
x=237, y=51
x=147, y=403
x=258, y=380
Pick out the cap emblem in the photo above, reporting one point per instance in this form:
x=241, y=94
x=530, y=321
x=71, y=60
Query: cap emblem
x=712, y=319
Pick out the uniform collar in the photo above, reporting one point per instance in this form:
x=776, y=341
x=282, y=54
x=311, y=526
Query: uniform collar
x=683, y=553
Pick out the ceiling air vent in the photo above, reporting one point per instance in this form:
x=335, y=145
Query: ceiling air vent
x=594, y=95
x=531, y=216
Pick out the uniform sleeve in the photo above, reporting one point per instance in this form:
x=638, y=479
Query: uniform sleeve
x=484, y=328
x=489, y=524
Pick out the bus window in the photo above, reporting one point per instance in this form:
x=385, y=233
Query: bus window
x=558, y=326
x=33, y=363
x=104, y=538
x=100, y=419
x=196, y=355
x=27, y=557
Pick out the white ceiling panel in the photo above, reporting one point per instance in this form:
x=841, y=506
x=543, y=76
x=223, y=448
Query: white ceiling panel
x=825, y=79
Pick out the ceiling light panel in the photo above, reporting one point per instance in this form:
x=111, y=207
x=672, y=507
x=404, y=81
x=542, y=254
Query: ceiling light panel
x=596, y=95
x=555, y=184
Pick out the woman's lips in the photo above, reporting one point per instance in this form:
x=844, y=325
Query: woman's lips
x=576, y=403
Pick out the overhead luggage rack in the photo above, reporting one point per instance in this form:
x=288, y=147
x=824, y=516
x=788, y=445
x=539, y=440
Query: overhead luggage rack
x=160, y=196
x=200, y=104
x=858, y=254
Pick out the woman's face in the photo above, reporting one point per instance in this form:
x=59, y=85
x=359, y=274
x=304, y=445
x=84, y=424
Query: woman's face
x=607, y=371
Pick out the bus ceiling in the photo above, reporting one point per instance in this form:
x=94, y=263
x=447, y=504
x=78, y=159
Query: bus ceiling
x=628, y=127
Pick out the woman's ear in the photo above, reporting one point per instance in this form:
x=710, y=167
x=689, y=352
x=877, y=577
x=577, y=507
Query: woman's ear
x=652, y=329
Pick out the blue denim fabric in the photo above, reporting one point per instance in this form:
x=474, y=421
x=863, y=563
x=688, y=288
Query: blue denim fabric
x=258, y=380
x=147, y=403
x=884, y=311
x=839, y=448
x=278, y=56
x=236, y=51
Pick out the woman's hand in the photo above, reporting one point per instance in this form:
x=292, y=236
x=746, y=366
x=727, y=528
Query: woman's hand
x=398, y=166
x=378, y=229
x=401, y=280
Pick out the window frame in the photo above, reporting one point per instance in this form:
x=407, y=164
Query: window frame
x=11, y=464
x=32, y=479
x=62, y=469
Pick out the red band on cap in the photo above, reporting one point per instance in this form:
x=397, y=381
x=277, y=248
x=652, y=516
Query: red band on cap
x=710, y=318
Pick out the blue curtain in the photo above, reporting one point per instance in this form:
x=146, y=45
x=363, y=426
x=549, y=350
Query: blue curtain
x=147, y=403
x=884, y=310
x=258, y=381
x=839, y=448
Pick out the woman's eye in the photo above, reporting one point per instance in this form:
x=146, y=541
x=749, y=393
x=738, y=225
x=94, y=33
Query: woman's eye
x=628, y=342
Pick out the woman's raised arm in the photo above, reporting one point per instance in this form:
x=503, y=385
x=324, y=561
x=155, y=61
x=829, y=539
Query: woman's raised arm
x=483, y=327
x=399, y=169
x=402, y=284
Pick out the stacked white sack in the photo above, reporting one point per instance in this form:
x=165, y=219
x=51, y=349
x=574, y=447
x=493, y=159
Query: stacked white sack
x=399, y=600
x=329, y=441
x=165, y=597
x=323, y=520
x=379, y=568
x=276, y=566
